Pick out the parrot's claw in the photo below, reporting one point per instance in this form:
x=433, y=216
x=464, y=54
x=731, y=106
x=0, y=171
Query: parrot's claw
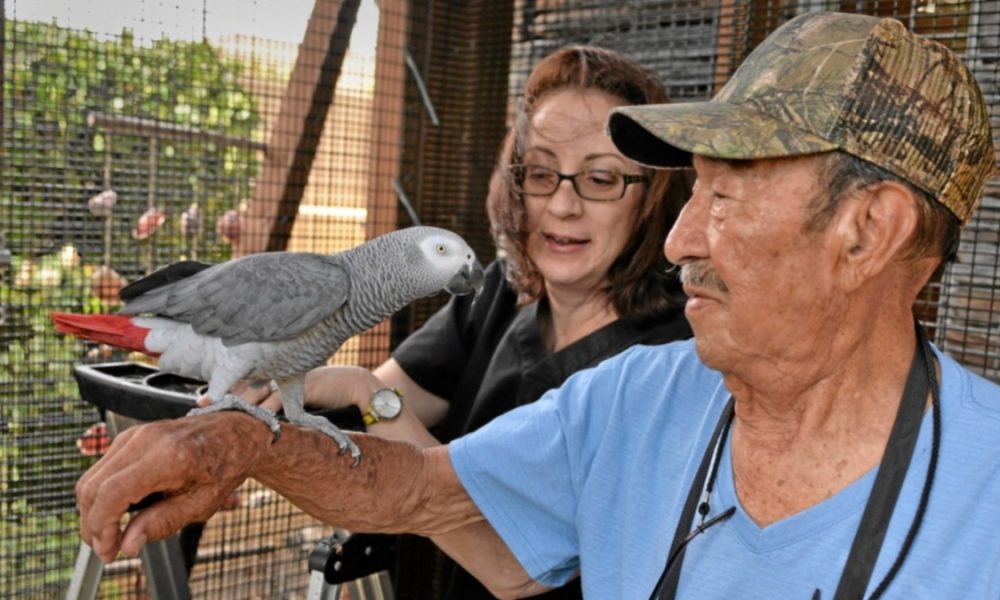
x=234, y=402
x=319, y=423
x=349, y=446
x=355, y=452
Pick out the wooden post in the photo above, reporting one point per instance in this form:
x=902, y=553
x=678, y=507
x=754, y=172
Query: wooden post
x=3, y=58
x=462, y=53
x=730, y=42
x=386, y=148
x=291, y=150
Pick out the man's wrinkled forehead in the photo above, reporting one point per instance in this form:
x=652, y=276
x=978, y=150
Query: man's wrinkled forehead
x=789, y=183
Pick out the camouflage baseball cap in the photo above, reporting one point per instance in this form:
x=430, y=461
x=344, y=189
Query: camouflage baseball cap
x=825, y=81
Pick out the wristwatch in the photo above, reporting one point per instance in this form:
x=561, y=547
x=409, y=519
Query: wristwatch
x=386, y=404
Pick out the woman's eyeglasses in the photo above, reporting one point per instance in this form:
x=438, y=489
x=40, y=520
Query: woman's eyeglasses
x=598, y=185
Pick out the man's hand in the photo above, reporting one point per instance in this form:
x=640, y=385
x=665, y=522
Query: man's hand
x=193, y=462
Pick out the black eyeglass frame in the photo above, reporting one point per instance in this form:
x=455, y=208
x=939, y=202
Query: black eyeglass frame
x=628, y=179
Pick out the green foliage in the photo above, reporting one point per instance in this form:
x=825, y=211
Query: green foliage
x=54, y=77
x=53, y=163
x=45, y=560
x=38, y=391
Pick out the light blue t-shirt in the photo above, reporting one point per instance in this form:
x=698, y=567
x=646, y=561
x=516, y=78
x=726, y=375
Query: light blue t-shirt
x=594, y=475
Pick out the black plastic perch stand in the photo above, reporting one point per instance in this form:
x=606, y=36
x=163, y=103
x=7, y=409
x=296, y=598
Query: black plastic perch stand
x=129, y=392
x=144, y=393
x=359, y=561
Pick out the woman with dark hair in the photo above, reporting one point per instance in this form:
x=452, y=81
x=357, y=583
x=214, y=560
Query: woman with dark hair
x=582, y=275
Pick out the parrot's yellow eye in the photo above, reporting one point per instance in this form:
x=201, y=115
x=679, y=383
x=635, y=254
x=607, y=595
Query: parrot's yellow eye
x=440, y=248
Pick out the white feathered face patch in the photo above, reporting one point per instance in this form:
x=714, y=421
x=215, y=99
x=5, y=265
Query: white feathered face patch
x=447, y=252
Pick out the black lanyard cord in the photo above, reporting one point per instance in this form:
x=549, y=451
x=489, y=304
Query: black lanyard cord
x=667, y=584
x=719, y=443
x=925, y=494
x=889, y=480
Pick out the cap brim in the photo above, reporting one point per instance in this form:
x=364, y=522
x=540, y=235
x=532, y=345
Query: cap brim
x=666, y=135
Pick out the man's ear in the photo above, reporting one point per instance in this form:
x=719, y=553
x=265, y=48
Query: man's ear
x=875, y=223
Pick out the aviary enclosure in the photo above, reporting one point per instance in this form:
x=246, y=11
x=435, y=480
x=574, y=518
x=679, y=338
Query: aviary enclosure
x=136, y=134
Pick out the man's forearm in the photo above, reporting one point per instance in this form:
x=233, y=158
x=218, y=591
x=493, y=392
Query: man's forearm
x=194, y=463
x=481, y=552
x=396, y=487
x=418, y=493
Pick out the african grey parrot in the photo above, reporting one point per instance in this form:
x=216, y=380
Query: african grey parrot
x=274, y=316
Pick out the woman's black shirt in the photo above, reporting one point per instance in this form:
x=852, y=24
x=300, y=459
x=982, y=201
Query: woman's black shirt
x=485, y=356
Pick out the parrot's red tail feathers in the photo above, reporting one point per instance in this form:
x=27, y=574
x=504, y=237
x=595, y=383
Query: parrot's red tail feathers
x=117, y=330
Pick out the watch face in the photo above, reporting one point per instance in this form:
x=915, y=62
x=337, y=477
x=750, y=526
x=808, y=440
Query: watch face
x=387, y=404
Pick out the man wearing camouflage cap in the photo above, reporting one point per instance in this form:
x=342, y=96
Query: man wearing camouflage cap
x=810, y=443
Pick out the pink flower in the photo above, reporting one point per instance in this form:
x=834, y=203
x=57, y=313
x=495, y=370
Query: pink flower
x=105, y=283
x=94, y=441
x=148, y=223
x=102, y=204
x=228, y=226
x=191, y=220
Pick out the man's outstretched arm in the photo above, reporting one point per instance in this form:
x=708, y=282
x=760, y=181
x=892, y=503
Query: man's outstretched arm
x=196, y=462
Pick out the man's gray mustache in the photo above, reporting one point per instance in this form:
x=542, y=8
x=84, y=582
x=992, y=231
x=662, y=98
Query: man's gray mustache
x=700, y=273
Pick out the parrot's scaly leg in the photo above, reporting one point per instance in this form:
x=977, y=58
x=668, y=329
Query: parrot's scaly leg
x=292, y=405
x=324, y=425
x=234, y=402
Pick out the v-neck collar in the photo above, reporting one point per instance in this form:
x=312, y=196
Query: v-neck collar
x=845, y=504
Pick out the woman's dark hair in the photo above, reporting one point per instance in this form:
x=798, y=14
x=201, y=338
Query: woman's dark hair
x=641, y=285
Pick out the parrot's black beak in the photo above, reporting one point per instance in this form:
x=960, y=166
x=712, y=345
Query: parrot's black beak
x=468, y=279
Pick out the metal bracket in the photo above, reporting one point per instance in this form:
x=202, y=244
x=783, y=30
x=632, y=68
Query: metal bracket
x=412, y=65
x=404, y=200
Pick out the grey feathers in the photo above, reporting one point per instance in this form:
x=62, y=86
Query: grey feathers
x=280, y=295
x=263, y=297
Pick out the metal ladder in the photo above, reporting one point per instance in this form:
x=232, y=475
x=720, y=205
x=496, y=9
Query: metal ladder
x=166, y=577
x=162, y=561
x=341, y=563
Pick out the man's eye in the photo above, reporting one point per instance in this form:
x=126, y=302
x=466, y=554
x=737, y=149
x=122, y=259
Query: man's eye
x=719, y=206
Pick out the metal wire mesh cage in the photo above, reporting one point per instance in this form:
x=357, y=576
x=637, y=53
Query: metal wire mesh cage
x=151, y=133
x=123, y=151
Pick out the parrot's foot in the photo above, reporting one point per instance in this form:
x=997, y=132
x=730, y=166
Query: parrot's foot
x=234, y=402
x=324, y=425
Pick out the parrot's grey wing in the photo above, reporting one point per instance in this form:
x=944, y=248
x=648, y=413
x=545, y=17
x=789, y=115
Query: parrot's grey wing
x=171, y=273
x=259, y=298
x=267, y=297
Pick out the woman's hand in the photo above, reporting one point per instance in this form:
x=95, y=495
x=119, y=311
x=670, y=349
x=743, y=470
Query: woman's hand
x=267, y=395
x=326, y=388
x=333, y=387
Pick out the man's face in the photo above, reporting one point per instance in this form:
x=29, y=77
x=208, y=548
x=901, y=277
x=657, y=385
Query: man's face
x=762, y=292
